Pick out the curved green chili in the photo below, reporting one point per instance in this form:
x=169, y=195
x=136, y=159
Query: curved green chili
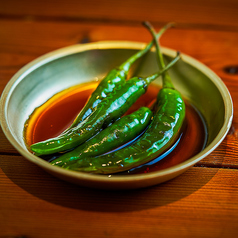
x=113, y=79
x=160, y=135
x=119, y=133
x=109, y=110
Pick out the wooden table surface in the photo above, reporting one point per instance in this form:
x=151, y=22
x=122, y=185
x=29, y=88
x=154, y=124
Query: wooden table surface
x=202, y=202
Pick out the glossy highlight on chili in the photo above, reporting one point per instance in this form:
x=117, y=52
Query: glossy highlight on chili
x=108, y=111
x=117, y=134
x=113, y=79
x=160, y=135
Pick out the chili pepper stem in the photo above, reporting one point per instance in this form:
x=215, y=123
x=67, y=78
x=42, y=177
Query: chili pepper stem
x=127, y=64
x=167, y=82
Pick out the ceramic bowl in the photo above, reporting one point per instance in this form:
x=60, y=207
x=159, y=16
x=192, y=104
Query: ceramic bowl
x=38, y=81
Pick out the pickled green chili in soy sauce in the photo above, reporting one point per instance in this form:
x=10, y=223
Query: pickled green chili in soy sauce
x=44, y=124
x=107, y=112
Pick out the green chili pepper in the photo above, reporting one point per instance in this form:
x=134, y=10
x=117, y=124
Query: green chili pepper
x=160, y=135
x=119, y=133
x=108, y=111
x=114, y=78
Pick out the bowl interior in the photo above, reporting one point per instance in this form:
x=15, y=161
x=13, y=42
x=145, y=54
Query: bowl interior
x=40, y=80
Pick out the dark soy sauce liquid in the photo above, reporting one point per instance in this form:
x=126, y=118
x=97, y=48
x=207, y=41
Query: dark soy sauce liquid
x=54, y=116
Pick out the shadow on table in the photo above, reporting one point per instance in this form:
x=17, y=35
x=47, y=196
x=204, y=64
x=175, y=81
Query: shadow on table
x=44, y=186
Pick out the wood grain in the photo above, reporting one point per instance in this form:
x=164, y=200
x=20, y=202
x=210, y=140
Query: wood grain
x=35, y=204
x=202, y=13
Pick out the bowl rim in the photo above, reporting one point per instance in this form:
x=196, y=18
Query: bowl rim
x=73, y=49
